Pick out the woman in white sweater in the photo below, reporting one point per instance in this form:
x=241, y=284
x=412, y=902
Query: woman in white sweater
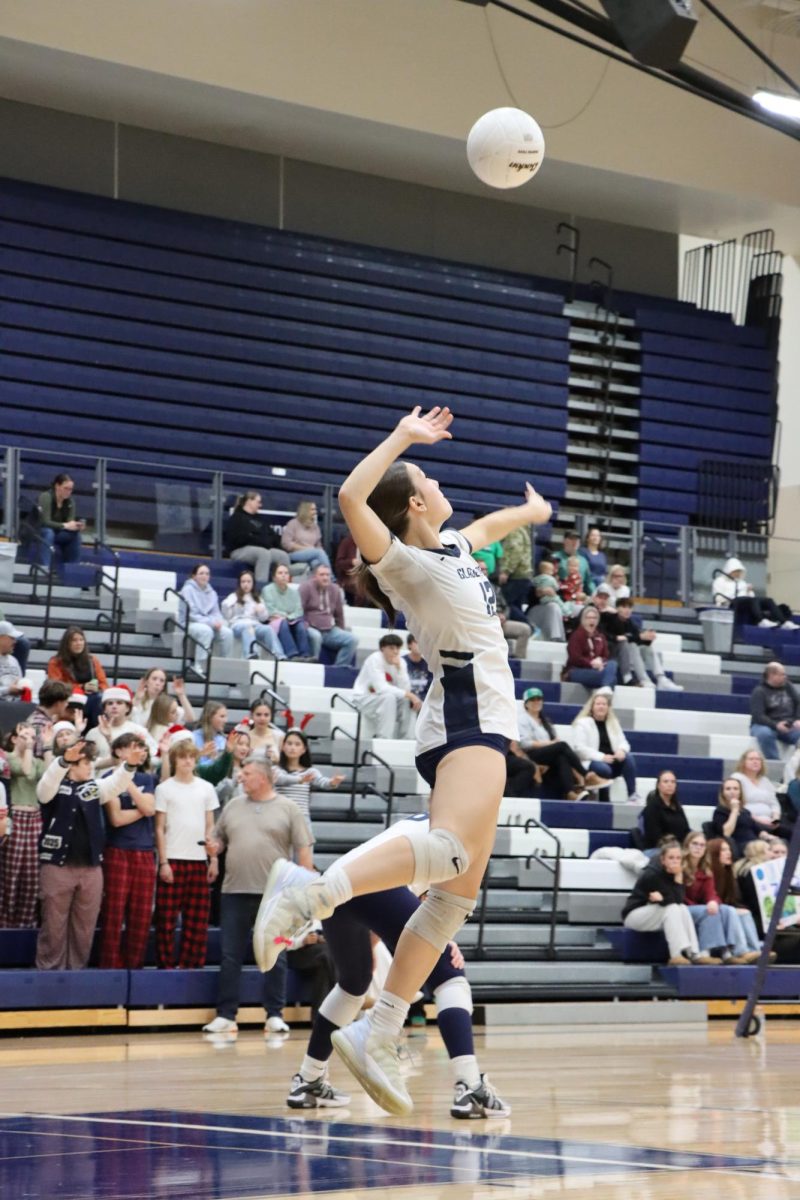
x=759, y=793
x=248, y=619
x=601, y=745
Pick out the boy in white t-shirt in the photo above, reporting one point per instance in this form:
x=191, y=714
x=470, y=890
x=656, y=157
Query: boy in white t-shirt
x=185, y=806
x=382, y=691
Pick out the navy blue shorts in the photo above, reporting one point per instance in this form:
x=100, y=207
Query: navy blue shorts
x=427, y=763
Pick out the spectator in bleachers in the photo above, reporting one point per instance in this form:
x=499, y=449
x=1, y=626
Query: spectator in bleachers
x=164, y=715
x=295, y=774
x=594, y=554
x=12, y=682
x=346, y=560
x=759, y=793
x=617, y=580
x=775, y=711
x=302, y=537
x=129, y=866
x=727, y=887
x=419, y=675
x=792, y=781
x=256, y=828
x=20, y=852
x=22, y=646
x=63, y=734
x=210, y=737
x=284, y=601
x=323, y=608
x=75, y=711
x=636, y=650
x=73, y=663
x=71, y=851
x=206, y=623
x=541, y=745
x=248, y=538
x=153, y=684
x=731, y=818
x=571, y=588
x=570, y=549
x=548, y=609
x=185, y=805
x=516, y=575
x=732, y=590
x=588, y=658
x=54, y=697
x=787, y=938
x=382, y=691
x=491, y=557
x=663, y=814
x=516, y=633
x=602, y=746
x=59, y=524
x=249, y=620
x=265, y=738
x=238, y=744
x=114, y=720
x=658, y=902
x=719, y=930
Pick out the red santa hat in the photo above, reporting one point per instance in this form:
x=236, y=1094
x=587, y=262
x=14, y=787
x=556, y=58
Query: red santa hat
x=119, y=691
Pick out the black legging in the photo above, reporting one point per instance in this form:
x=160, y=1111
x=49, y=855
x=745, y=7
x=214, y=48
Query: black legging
x=749, y=610
x=562, y=761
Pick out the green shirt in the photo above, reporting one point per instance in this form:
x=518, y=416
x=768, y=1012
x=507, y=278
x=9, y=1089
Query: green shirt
x=23, y=787
x=55, y=516
x=282, y=604
x=491, y=555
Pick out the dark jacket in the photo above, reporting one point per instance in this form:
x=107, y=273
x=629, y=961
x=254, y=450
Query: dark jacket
x=769, y=705
x=654, y=879
x=616, y=627
x=746, y=829
x=248, y=529
x=663, y=820
x=61, y=799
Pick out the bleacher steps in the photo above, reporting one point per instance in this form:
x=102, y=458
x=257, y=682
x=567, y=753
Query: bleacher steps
x=652, y=1013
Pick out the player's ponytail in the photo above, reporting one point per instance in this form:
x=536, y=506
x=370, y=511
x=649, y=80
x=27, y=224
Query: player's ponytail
x=389, y=501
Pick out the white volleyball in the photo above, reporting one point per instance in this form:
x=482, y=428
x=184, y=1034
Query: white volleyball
x=505, y=147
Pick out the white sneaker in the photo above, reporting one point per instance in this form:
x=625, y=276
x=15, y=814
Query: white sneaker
x=221, y=1025
x=646, y=682
x=790, y=625
x=482, y=1101
x=767, y=624
x=276, y=1025
x=375, y=1064
x=635, y=798
x=665, y=684
x=285, y=911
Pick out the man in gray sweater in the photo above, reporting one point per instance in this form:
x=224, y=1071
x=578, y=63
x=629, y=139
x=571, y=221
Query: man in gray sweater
x=774, y=711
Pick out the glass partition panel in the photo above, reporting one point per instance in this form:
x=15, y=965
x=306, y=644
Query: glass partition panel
x=158, y=506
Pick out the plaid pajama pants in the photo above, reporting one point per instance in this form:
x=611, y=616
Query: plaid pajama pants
x=20, y=874
x=188, y=896
x=129, y=881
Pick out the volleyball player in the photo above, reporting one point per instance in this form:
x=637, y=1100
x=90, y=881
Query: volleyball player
x=395, y=514
x=347, y=933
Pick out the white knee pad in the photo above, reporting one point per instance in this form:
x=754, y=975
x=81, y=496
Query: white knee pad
x=440, y=916
x=438, y=856
x=340, y=1007
x=453, y=993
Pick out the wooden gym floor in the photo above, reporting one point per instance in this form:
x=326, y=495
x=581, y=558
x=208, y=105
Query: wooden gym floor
x=606, y=1113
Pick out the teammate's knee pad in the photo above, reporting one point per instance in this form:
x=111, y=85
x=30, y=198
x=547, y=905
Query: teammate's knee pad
x=440, y=916
x=340, y=1008
x=439, y=855
x=453, y=993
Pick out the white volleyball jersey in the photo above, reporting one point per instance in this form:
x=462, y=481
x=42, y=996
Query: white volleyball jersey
x=450, y=607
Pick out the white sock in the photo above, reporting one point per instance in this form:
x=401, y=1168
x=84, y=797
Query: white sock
x=465, y=1068
x=389, y=1015
x=338, y=885
x=311, y=1069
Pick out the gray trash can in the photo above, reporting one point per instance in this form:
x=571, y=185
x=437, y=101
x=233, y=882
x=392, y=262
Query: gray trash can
x=8, y=557
x=717, y=625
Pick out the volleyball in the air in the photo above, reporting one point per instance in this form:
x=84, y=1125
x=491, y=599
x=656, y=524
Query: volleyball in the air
x=505, y=147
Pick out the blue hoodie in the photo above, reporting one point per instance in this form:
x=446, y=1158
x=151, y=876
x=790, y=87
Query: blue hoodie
x=202, y=603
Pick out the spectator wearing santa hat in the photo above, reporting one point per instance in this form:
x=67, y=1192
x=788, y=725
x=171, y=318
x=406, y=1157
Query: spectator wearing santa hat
x=114, y=720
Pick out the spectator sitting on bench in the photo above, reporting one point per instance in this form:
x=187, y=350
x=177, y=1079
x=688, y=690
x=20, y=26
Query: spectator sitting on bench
x=59, y=525
x=323, y=608
x=204, y=617
x=617, y=581
x=759, y=793
x=284, y=601
x=663, y=814
x=302, y=537
x=22, y=647
x=382, y=691
x=249, y=539
x=419, y=674
x=732, y=590
x=727, y=888
x=114, y=720
x=719, y=930
x=731, y=818
x=635, y=649
x=571, y=587
x=516, y=633
x=12, y=684
x=249, y=620
x=548, y=611
x=572, y=541
x=658, y=901
x=72, y=663
x=539, y=744
x=602, y=746
x=775, y=711
x=588, y=658
x=345, y=563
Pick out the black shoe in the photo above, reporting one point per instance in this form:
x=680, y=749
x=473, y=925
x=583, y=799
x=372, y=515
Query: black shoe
x=318, y=1094
x=473, y=1103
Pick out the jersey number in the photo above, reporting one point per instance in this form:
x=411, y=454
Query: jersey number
x=489, y=597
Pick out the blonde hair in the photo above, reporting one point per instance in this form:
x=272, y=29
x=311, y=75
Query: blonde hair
x=184, y=748
x=740, y=763
x=721, y=795
x=612, y=721
x=574, y=560
x=304, y=512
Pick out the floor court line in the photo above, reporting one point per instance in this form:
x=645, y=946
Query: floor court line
x=741, y=1165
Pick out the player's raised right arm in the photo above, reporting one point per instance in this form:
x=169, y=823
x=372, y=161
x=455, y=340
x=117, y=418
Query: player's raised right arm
x=369, y=532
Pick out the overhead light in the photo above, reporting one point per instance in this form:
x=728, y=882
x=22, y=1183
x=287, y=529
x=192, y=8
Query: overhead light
x=782, y=106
